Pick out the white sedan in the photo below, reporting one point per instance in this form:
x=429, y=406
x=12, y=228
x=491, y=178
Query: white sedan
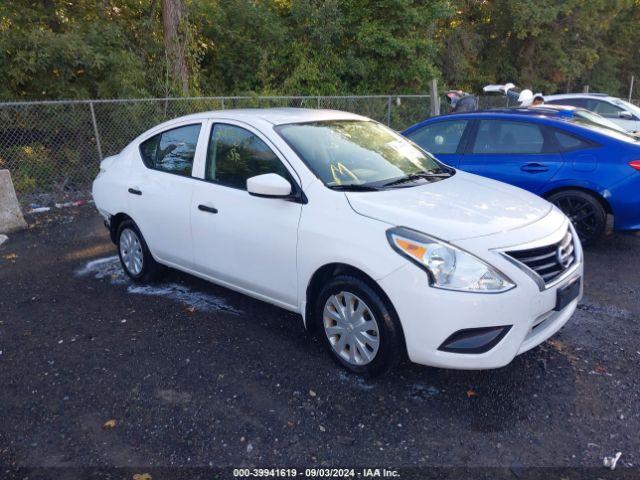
x=616, y=110
x=381, y=248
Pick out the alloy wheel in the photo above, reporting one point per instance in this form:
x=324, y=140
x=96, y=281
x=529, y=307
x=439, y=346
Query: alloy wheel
x=582, y=213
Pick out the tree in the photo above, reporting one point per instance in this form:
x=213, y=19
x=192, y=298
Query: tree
x=83, y=49
x=541, y=44
x=174, y=44
x=131, y=48
x=243, y=46
x=618, y=55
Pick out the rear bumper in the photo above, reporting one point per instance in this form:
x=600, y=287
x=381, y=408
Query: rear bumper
x=625, y=203
x=108, y=224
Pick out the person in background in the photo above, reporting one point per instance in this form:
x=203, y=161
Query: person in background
x=461, y=101
x=538, y=100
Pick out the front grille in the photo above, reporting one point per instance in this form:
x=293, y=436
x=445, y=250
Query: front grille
x=549, y=261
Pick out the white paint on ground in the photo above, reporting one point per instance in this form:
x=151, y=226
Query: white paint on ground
x=355, y=381
x=422, y=390
x=39, y=210
x=110, y=268
x=595, y=307
x=201, y=301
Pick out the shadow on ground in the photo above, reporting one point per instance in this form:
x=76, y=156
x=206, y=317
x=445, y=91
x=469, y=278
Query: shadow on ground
x=195, y=374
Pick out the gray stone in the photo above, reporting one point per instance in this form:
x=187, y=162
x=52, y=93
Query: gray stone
x=11, y=218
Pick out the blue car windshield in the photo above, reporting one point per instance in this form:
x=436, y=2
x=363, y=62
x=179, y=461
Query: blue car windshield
x=352, y=153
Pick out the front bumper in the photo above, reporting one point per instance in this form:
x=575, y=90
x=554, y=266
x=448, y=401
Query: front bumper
x=430, y=316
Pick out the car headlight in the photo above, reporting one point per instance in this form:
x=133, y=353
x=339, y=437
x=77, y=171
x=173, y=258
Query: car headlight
x=448, y=267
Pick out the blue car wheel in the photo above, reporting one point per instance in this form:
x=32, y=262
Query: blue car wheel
x=587, y=214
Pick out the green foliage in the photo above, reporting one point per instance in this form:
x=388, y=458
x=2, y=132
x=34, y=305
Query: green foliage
x=61, y=49
x=546, y=45
x=54, y=49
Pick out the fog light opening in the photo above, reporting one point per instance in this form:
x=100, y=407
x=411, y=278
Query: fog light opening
x=474, y=340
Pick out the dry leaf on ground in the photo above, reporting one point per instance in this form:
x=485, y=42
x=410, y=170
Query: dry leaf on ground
x=109, y=424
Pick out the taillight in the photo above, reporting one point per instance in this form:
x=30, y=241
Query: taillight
x=635, y=164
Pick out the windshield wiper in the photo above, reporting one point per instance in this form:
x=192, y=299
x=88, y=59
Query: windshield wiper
x=417, y=176
x=354, y=188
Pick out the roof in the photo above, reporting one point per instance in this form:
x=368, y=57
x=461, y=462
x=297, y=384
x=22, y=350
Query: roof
x=556, y=111
x=553, y=112
x=277, y=116
x=575, y=95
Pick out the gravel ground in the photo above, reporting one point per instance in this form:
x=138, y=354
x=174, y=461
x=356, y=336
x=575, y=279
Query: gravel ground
x=97, y=372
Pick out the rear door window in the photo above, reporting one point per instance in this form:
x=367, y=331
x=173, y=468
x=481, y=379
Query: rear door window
x=440, y=137
x=505, y=136
x=172, y=151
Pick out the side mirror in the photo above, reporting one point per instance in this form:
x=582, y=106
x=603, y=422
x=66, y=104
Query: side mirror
x=268, y=185
x=625, y=115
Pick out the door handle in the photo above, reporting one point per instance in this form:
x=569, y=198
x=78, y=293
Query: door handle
x=206, y=208
x=135, y=191
x=534, y=168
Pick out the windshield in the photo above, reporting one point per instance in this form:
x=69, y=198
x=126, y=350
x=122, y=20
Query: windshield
x=359, y=153
x=627, y=106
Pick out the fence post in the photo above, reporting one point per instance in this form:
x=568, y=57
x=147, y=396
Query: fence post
x=631, y=86
x=585, y=89
x=389, y=111
x=435, y=99
x=95, y=130
x=318, y=102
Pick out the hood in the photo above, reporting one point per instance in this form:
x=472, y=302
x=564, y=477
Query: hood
x=463, y=206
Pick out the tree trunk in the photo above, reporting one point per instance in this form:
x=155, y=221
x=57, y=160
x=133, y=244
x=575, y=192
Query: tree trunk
x=527, y=53
x=52, y=21
x=174, y=44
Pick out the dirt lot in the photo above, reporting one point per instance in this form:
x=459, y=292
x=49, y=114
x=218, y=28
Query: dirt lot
x=196, y=375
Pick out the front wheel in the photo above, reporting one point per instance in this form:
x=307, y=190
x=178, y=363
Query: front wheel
x=586, y=213
x=357, y=326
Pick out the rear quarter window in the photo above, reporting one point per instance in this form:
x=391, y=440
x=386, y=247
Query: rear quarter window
x=567, y=142
x=148, y=150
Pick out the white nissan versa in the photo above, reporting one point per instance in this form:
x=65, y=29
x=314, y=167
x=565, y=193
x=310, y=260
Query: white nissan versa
x=380, y=247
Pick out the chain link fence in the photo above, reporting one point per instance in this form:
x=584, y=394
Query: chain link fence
x=53, y=149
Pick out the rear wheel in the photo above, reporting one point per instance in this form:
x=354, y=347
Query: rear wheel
x=135, y=257
x=587, y=214
x=358, y=328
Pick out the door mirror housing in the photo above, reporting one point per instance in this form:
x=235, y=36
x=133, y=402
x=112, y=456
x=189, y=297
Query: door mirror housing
x=269, y=185
x=625, y=115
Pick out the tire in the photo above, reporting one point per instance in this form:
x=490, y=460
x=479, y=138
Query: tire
x=368, y=352
x=585, y=211
x=135, y=257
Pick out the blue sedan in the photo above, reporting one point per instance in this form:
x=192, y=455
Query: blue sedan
x=588, y=170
